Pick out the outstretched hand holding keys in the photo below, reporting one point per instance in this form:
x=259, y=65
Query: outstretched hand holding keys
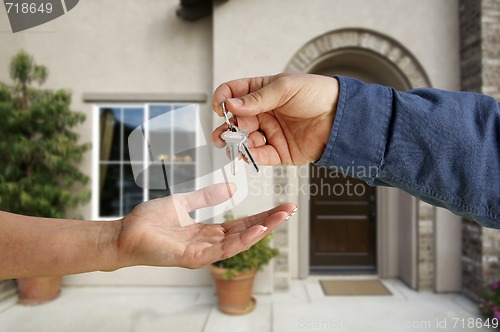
x=288, y=117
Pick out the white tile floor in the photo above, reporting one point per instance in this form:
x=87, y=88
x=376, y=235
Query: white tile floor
x=303, y=308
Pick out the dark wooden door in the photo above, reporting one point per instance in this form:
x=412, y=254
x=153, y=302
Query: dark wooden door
x=342, y=221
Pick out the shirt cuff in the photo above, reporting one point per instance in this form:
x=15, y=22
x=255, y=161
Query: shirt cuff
x=360, y=132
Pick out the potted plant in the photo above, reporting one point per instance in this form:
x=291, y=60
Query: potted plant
x=234, y=276
x=39, y=153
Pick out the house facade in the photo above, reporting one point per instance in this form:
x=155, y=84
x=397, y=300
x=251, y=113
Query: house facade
x=129, y=61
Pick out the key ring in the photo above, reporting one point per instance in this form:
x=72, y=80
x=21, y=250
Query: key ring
x=226, y=117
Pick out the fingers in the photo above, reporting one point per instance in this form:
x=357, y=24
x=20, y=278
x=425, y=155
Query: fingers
x=208, y=196
x=238, y=88
x=266, y=155
x=216, y=140
x=257, y=139
x=242, y=224
x=263, y=100
x=247, y=238
x=241, y=234
x=252, y=96
x=248, y=123
x=239, y=242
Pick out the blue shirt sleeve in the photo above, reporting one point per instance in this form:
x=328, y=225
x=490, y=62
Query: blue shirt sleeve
x=442, y=147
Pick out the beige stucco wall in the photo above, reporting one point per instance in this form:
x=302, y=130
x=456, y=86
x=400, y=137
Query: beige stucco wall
x=259, y=37
x=120, y=46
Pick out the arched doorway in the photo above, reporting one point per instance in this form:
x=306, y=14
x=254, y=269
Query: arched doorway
x=366, y=221
x=343, y=219
x=362, y=64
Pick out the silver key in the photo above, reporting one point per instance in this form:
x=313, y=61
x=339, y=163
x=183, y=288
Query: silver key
x=233, y=140
x=246, y=152
x=237, y=141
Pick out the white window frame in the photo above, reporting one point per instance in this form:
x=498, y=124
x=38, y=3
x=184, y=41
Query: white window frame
x=95, y=197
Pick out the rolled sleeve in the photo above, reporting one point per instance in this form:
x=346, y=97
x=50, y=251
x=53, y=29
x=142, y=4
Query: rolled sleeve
x=359, y=133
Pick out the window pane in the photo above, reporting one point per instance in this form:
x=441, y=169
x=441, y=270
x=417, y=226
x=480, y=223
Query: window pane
x=160, y=133
x=185, y=134
x=109, y=131
x=156, y=110
x=184, y=118
x=172, y=138
x=132, y=193
x=157, y=193
x=177, y=106
x=109, y=198
x=156, y=173
x=184, y=178
x=132, y=118
x=185, y=145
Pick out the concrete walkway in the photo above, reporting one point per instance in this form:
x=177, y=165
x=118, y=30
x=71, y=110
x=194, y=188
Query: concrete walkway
x=303, y=308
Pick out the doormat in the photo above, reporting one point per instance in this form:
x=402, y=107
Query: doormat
x=353, y=287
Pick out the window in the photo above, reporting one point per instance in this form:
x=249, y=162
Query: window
x=115, y=191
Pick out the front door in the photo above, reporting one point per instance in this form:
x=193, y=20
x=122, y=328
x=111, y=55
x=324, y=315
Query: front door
x=342, y=222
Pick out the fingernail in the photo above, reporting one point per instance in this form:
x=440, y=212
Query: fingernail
x=295, y=209
x=288, y=217
x=236, y=101
x=264, y=228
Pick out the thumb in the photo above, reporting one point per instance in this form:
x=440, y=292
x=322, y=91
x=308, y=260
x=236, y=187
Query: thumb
x=263, y=100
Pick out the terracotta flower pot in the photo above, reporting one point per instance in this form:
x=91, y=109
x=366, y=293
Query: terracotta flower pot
x=38, y=290
x=235, y=295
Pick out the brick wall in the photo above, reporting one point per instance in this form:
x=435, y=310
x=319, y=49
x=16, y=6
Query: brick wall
x=470, y=45
x=480, y=72
x=490, y=20
x=491, y=256
x=470, y=75
x=472, y=252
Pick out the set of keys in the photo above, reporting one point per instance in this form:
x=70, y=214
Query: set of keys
x=236, y=141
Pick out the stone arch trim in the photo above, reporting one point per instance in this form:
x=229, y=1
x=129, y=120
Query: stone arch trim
x=384, y=46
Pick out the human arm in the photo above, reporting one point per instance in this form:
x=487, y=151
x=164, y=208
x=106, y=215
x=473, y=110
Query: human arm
x=158, y=232
x=442, y=147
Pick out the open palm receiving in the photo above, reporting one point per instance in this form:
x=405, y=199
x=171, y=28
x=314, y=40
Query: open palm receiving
x=159, y=232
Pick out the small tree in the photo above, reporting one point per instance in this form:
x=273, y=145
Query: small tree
x=39, y=150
